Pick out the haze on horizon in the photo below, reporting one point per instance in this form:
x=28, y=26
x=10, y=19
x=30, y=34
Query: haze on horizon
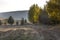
x=14, y=5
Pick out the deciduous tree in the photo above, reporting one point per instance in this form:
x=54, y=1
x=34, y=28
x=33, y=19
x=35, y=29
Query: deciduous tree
x=53, y=9
x=34, y=13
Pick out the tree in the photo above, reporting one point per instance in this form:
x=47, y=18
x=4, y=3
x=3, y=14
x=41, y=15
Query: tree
x=22, y=21
x=10, y=20
x=25, y=21
x=17, y=23
x=53, y=9
x=34, y=13
x=0, y=22
x=43, y=17
x=5, y=23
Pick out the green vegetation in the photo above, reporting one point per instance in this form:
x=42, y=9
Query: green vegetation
x=5, y=23
x=34, y=13
x=53, y=9
x=10, y=20
x=17, y=23
x=22, y=21
x=25, y=21
x=0, y=22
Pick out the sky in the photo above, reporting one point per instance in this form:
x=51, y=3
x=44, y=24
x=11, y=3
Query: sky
x=14, y=5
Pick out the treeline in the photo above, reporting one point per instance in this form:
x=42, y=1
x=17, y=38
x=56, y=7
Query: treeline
x=50, y=14
x=11, y=21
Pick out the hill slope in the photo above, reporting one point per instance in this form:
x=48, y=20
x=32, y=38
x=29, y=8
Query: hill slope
x=16, y=14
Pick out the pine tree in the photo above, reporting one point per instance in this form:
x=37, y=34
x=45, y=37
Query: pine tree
x=22, y=21
x=0, y=22
x=17, y=23
x=10, y=20
x=25, y=21
x=5, y=23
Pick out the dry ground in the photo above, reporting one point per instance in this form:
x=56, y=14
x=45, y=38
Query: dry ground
x=42, y=32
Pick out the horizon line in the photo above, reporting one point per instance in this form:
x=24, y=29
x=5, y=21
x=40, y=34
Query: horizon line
x=14, y=11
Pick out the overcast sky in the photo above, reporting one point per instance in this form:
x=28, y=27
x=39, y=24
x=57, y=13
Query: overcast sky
x=13, y=5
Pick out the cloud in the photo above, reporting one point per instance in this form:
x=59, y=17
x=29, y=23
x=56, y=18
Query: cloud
x=12, y=5
x=2, y=2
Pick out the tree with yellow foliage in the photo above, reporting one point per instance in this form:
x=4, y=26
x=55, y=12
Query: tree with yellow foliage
x=53, y=9
x=34, y=13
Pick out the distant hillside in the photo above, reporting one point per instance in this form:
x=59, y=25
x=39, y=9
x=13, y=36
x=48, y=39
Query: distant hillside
x=15, y=14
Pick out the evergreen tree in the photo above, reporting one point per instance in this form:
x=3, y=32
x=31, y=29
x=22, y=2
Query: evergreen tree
x=25, y=21
x=17, y=23
x=22, y=21
x=0, y=22
x=5, y=23
x=10, y=20
x=34, y=13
